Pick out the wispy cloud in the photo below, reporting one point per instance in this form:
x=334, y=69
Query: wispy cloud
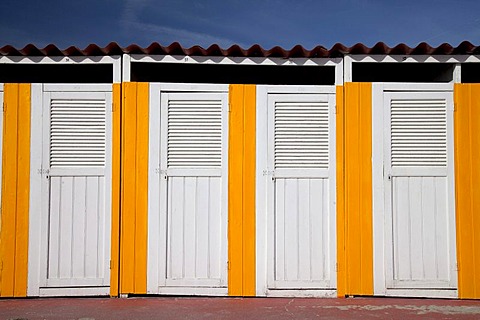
x=133, y=23
x=185, y=37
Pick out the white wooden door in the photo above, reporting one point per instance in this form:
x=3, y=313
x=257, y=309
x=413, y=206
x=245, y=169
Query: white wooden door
x=301, y=187
x=419, y=192
x=192, y=244
x=75, y=190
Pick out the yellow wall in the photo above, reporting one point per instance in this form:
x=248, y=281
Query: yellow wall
x=354, y=188
x=241, y=191
x=134, y=186
x=467, y=188
x=15, y=191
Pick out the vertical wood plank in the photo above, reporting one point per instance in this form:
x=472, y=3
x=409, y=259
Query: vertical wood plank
x=116, y=173
x=366, y=207
x=91, y=227
x=215, y=225
x=442, y=244
x=304, y=214
x=79, y=219
x=127, y=241
x=202, y=226
x=291, y=213
x=317, y=228
x=134, y=184
x=176, y=214
x=249, y=160
x=101, y=230
x=241, y=190
x=235, y=190
x=190, y=231
x=358, y=189
x=65, y=228
x=279, y=229
x=9, y=188
x=23, y=191
x=467, y=191
x=141, y=188
x=54, y=224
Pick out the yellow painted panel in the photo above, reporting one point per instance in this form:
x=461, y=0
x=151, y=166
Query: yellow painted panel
x=358, y=189
x=134, y=185
x=23, y=191
x=128, y=195
x=9, y=191
x=15, y=191
x=467, y=188
x=241, y=190
x=116, y=147
x=249, y=190
x=141, y=186
x=235, y=190
x=341, y=263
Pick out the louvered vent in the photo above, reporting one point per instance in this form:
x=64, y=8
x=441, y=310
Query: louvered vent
x=194, y=134
x=301, y=135
x=77, y=133
x=419, y=133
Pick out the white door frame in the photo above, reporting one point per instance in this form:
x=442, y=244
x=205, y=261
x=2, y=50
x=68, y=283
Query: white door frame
x=265, y=195
x=39, y=192
x=157, y=245
x=379, y=188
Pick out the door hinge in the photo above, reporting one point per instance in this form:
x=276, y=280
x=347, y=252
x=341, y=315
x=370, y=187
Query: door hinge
x=456, y=266
x=336, y=267
x=228, y=265
x=3, y=107
x=111, y=264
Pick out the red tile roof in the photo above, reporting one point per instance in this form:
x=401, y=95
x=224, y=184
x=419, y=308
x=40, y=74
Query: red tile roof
x=338, y=50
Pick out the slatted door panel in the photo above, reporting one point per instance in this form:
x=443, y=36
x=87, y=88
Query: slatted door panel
x=77, y=126
x=193, y=162
x=420, y=182
x=300, y=138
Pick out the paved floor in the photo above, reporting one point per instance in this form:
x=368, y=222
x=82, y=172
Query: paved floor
x=237, y=308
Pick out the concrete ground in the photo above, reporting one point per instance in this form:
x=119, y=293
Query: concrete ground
x=237, y=308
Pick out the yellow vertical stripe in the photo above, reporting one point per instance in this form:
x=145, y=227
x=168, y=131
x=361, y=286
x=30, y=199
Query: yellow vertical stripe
x=133, y=242
x=116, y=147
x=340, y=126
x=249, y=124
x=358, y=189
x=23, y=191
x=15, y=191
x=241, y=190
x=141, y=189
x=467, y=188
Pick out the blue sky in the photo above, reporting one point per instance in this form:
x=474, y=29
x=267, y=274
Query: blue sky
x=244, y=22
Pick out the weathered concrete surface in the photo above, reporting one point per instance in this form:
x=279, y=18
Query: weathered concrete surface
x=237, y=308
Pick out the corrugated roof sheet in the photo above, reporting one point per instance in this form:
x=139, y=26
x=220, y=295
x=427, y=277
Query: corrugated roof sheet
x=338, y=50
